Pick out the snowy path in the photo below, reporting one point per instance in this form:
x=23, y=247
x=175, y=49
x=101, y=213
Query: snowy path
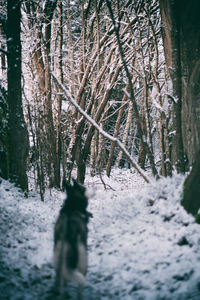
x=142, y=244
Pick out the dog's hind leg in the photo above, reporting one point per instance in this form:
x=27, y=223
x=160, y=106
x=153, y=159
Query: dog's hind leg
x=64, y=293
x=80, y=292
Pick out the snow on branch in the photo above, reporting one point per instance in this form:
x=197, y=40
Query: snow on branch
x=100, y=130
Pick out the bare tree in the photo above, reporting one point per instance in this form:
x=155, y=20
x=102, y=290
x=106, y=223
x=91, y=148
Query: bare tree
x=113, y=66
x=39, y=21
x=105, y=134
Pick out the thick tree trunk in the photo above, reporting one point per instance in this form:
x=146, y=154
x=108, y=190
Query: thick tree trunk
x=18, y=136
x=172, y=45
x=181, y=34
x=191, y=195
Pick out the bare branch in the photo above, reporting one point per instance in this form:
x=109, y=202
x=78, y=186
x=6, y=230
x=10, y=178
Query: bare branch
x=101, y=131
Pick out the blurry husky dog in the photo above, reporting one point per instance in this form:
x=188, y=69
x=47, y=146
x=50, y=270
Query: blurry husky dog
x=70, y=238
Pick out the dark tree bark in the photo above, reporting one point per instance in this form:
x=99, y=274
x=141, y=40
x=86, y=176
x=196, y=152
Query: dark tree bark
x=173, y=53
x=3, y=134
x=181, y=35
x=17, y=131
x=191, y=199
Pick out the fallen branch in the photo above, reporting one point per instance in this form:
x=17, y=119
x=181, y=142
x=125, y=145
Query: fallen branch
x=101, y=131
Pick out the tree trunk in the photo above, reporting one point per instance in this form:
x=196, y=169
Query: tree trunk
x=54, y=167
x=191, y=195
x=59, y=97
x=173, y=53
x=70, y=49
x=4, y=155
x=18, y=136
x=181, y=35
x=116, y=132
x=142, y=150
x=126, y=131
x=93, y=155
x=42, y=62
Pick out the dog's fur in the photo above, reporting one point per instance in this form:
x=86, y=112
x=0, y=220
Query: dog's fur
x=70, y=238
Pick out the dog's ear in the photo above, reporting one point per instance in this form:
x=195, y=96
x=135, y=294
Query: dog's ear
x=78, y=186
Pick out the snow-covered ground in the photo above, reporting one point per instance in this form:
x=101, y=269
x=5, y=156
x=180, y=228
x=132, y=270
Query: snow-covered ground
x=142, y=244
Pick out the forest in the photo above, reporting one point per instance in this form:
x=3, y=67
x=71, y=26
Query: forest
x=99, y=84
x=105, y=94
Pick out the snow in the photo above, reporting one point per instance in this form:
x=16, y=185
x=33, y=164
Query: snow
x=141, y=245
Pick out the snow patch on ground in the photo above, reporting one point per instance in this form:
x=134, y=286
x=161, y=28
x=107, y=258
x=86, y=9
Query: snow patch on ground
x=142, y=244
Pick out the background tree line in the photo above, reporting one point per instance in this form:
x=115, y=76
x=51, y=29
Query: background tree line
x=109, y=56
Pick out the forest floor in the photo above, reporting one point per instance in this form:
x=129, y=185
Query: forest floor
x=142, y=244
